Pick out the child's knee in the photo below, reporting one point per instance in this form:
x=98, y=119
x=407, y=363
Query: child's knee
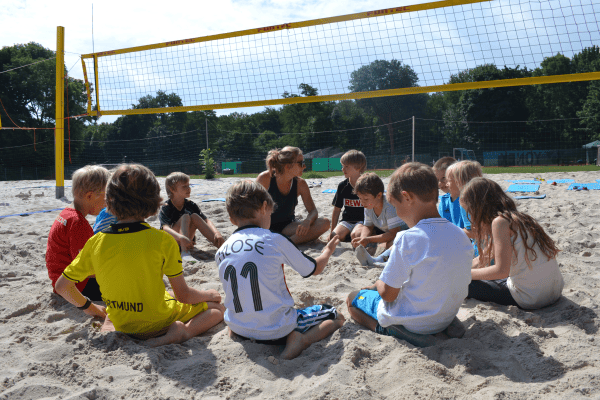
x=351, y=298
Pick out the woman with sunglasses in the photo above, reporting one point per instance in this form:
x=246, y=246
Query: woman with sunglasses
x=283, y=181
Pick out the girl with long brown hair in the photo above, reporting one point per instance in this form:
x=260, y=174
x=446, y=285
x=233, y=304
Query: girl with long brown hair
x=517, y=263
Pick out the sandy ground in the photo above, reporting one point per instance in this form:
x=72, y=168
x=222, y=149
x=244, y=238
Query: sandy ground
x=51, y=350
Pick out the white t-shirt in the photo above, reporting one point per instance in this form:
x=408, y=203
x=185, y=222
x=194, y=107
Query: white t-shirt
x=534, y=287
x=431, y=264
x=259, y=304
x=388, y=219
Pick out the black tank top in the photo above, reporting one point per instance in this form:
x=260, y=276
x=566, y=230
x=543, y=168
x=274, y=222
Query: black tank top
x=286, y=205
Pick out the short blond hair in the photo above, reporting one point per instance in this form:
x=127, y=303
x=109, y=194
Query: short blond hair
x=463, y=171
x=173, y=179
x=245, y=198
x=91, y=178
x=356, y=159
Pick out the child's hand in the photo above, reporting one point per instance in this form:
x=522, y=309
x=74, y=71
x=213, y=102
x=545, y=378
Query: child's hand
x=303, y=228
x=212, y=295
x=360, y=241
x=218, y=240
x=96, y=311
x=185, y=243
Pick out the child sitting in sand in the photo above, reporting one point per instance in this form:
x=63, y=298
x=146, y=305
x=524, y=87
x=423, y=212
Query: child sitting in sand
x=518, y=265
x=444, y=206
x=259, y=304
x=353, y=163
x=181, y=217
x=445, y=201
x=70, y=231
x=129, y=260
x=381, y=223
x=427, y=275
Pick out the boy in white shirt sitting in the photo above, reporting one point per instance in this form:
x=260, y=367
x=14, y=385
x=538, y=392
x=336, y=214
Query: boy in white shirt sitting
x=428, y=273
x=259, y=304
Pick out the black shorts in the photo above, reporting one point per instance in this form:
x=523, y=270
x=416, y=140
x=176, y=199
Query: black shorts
x=278, y=227
x=277, y=342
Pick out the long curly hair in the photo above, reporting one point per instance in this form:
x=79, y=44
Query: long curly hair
x=485, y=200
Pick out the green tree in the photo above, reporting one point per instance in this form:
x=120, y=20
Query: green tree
x=308, y=119
x=28, y=95
x=382, y=75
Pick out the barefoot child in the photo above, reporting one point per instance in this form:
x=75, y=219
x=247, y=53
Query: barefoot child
x=181, y=217
x=381, y=222
x=70, y=231
x=353, y=163
x=427, y=275
x=259, y=305
x=518, y=265
x=129, y=259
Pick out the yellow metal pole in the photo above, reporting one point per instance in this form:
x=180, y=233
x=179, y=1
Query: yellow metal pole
x=59, y=132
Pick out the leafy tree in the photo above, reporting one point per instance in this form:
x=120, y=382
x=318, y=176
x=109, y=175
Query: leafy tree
x=590, y=113
x=28, y=95
x=382, y=75
x=307, y=118
x=208, y=163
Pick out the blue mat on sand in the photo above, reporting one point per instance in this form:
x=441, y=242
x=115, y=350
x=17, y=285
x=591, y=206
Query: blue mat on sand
x=523, y=181
x=580, y=186
x=598, y=180
x=523, y=187
x=217, y=199
x=329, y=190
x=541, y=196
x=561, y=180
x=30, y=212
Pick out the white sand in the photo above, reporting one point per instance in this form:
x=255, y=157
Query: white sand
x=51, y=350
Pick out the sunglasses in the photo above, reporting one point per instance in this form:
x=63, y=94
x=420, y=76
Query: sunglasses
x=301, y=163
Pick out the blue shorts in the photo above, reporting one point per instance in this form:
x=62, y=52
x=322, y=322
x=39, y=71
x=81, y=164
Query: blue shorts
x=367, y=301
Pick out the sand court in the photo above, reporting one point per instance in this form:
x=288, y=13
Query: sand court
x=51, y=350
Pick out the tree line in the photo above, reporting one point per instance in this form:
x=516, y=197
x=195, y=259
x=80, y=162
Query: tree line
x=27, y=96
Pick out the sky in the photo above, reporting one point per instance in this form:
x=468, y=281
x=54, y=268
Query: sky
x=121, y=24
x=504, y=32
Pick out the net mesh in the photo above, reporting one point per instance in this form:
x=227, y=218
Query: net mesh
x=436, y=43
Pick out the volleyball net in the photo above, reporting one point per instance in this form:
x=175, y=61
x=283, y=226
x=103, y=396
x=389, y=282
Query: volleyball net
x=266, y=65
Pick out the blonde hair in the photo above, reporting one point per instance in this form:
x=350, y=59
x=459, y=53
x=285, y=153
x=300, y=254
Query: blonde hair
x=369, y=183
x=415, y=178
x=463, y=171
x=133, y=192
x=91, y=178
x=245, y=198
x=173, y=179
x=485, y=200
x=356, y=159
x=277, y=158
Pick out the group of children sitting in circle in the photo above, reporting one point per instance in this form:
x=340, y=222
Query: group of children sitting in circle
x=472, y=243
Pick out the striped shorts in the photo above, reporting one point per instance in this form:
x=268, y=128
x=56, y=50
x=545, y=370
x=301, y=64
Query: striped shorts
x=314, y=315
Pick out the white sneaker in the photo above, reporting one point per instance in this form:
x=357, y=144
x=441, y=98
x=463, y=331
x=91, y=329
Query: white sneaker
x=364, y=257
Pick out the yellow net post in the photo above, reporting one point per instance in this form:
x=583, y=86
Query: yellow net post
x=59, y=133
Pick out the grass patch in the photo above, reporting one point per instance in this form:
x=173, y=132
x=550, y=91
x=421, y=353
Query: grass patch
x=385, y=173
